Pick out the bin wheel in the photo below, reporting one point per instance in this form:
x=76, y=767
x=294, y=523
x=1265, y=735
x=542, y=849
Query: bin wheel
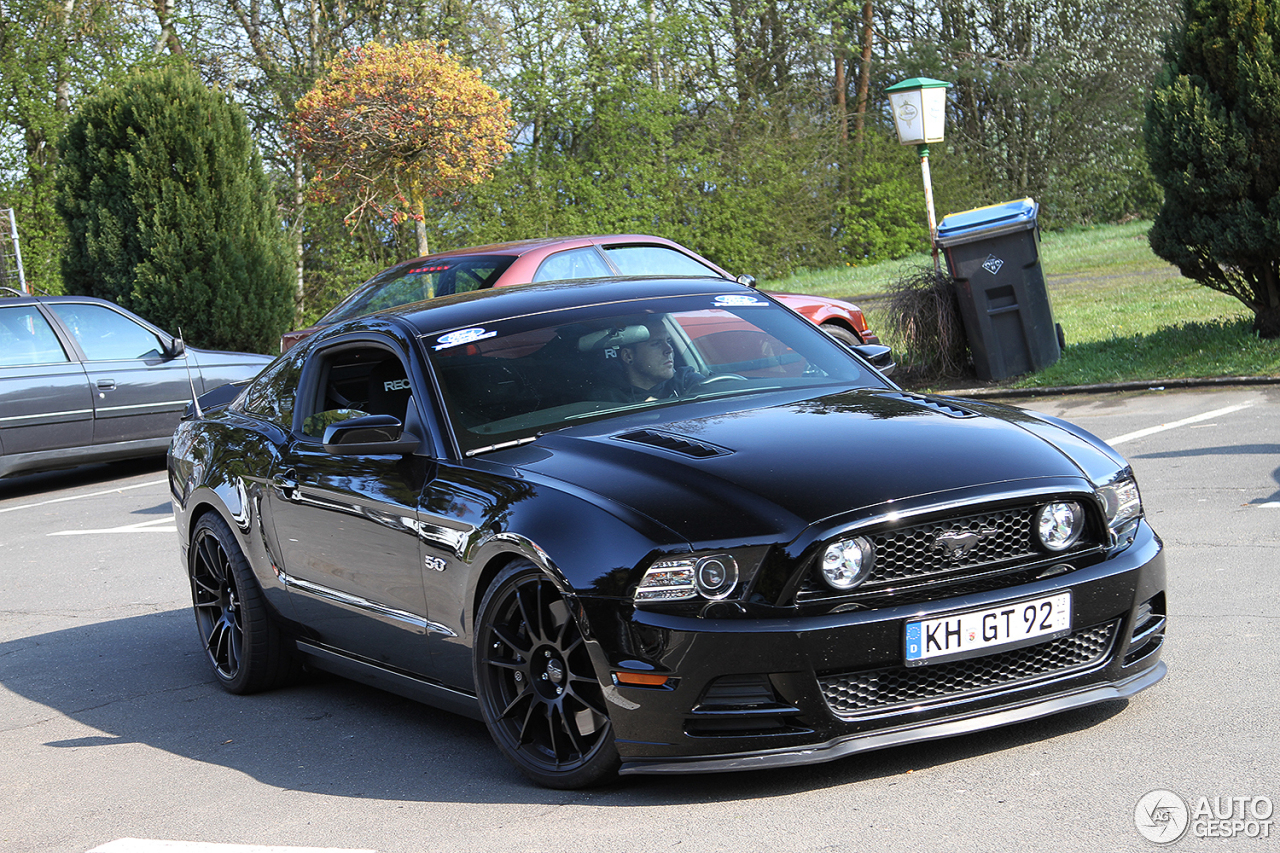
x=1062, y=338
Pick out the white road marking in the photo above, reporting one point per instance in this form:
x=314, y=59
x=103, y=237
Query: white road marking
x=142, y=845
x=91, y=495
x=1194, y=419
x=140, y=527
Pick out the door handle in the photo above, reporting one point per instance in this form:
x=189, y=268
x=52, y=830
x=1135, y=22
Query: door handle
x=287, y=483
x=106, y=385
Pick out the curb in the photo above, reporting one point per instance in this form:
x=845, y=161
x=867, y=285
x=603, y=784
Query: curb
x=1148, y=385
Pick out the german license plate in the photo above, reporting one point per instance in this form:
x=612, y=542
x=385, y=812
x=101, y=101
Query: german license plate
x=995, y=629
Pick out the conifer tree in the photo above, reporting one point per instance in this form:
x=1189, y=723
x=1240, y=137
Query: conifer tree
x=170, y=214
x=1213, y=140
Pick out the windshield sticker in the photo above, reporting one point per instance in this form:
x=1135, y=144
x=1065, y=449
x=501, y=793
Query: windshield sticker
x=462, y=336
x=739, y=301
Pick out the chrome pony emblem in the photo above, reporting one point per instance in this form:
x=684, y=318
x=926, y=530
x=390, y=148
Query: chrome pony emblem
x=958, y=543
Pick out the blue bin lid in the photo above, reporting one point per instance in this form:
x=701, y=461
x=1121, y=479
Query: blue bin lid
x=990, y=221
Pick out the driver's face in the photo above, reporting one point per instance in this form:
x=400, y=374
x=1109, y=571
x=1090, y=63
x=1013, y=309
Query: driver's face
x=652, y=361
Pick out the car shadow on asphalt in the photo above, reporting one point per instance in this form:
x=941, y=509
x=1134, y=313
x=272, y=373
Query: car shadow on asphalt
x=31, y=485
x=144, y=680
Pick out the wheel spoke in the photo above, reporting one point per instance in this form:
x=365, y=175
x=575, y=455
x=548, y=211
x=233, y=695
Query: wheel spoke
x=550, y=719
x=520, y=697
x=512, y=640
x=530, y=715
x=532, y=621
x=210, y=555
x=589, y=703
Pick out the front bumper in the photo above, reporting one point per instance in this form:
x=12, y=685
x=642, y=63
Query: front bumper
x=745, y=693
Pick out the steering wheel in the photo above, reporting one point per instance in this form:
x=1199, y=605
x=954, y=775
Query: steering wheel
x=720, y=377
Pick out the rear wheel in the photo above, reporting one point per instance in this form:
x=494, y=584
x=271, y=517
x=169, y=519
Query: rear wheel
x=241, y=642
x=537, y=687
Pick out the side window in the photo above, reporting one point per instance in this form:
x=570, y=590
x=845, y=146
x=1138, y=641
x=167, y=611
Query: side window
x=573, y=263
x=27, y=338
x=106, y=335
x=272, y=395
x=656, y=260
x=355, y=381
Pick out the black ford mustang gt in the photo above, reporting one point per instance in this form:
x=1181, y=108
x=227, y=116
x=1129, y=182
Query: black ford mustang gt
x=658, y=526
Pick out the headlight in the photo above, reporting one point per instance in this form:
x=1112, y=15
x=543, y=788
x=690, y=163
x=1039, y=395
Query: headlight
x=711, y=577
x=1121, y=503
x=1059, y=524
x=847, y=563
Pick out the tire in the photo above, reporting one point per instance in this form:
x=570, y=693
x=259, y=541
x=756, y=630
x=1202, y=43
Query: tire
x=841, y=334
x=242, y=643
x=538, y=691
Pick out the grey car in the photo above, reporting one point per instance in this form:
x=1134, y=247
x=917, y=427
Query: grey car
x=83, y=380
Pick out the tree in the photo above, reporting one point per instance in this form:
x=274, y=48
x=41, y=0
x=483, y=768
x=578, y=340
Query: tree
x=391, y=126
x=169, y=213
x=49, y=53
x=1213, y=141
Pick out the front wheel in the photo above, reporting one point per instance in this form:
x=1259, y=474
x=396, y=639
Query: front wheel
x=538, y=690
x=841, y=334
x=241, y=642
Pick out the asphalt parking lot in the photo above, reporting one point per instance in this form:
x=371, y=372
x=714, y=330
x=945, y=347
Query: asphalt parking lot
x=112, y=728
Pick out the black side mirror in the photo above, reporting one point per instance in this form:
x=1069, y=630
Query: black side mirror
x=369, y=435
x=748, y=280
x=176, y=348
x=880, y=357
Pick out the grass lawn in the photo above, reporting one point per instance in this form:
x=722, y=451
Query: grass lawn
x=1128, y=315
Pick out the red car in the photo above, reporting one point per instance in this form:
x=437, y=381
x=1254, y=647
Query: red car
x=561, y=258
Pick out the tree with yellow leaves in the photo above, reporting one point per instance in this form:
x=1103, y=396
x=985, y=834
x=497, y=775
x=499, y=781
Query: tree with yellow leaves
x=388, y=127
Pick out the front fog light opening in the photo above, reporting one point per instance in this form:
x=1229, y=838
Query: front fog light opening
x=847, y=563
x=1058, y=525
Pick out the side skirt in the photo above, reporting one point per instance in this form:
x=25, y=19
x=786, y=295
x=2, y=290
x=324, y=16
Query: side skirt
x=393, y=681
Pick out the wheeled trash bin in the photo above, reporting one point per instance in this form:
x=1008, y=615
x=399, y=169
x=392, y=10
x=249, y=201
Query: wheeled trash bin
x=993, y=254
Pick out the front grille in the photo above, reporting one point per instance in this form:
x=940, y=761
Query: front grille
x=1003, y=540
x=853, y=693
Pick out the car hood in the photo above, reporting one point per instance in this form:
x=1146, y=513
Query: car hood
x=765, y=474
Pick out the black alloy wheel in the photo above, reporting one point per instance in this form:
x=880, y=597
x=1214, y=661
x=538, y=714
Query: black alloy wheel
x=537, y=687
x=242, y=644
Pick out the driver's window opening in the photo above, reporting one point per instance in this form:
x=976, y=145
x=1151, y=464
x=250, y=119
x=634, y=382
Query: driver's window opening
x=355, y=382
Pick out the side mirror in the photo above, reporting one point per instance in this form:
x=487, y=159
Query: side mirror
x=370, y=435
x=880, y=357
x=176, y=348
x=748, y=280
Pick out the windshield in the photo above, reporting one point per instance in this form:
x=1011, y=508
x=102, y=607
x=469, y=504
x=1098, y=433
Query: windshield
x=419, y=280
x=514, y=379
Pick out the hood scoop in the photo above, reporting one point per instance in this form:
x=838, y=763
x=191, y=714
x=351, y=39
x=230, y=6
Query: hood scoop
x=928, y=403
x=674, y=443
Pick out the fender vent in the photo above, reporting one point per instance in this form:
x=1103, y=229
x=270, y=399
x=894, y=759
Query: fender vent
x=674, y=443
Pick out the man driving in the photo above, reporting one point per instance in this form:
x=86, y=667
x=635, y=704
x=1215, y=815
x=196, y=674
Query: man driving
x=649, y=371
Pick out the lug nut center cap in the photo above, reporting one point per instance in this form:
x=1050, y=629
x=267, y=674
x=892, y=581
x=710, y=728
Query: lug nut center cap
x=555, y=671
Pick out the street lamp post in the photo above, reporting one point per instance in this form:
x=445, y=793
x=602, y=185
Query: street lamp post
x=919, y=108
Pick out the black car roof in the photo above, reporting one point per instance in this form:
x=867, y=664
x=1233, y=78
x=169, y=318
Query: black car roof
x=486, y=306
